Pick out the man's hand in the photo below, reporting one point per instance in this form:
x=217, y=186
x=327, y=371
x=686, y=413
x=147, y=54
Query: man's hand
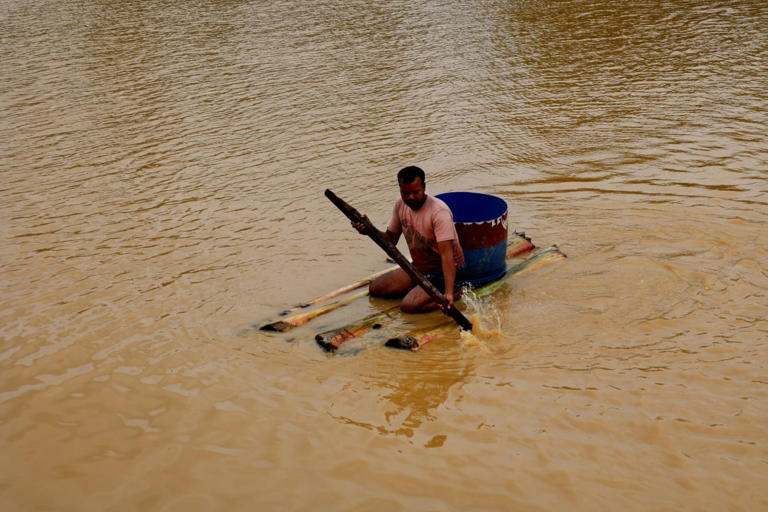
x=359, y=226
x=448, y=302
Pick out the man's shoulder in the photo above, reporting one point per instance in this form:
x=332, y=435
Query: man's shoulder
x=438, y=208
x=438, y=204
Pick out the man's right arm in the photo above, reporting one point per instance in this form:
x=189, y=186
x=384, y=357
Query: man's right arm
x=392, y=237
x=389, y=235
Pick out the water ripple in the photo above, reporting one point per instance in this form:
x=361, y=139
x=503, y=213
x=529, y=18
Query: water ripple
x=162, y=175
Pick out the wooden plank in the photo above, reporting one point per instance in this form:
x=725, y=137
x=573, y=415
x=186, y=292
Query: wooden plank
x=332, y=339
x=288, y=323
x=341, y=291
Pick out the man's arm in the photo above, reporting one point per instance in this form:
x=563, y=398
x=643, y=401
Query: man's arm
x=392, y=237
x=445, y=249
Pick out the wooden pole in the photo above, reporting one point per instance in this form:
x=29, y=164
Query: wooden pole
x=401, y=260
x=332, y=295
x=331, y=340
x=289, y=322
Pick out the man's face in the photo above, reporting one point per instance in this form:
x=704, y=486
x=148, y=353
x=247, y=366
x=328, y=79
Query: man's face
x=413, y=193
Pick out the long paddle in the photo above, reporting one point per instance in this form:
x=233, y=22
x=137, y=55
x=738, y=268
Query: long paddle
x=401, y=260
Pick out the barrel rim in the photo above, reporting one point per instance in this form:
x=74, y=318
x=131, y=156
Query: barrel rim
x=448, y=196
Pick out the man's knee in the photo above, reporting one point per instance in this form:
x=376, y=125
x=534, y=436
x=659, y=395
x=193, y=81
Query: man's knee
x=391, y=284
x=382, y=287
x=417, y=301
x=426, y=307
x=377, y=289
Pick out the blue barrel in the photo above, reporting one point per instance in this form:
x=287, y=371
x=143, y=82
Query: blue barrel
x=481, y=223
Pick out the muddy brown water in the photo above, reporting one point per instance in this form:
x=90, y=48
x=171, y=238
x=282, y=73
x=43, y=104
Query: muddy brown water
x=161, y=190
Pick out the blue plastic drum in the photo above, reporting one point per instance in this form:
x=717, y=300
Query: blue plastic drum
x=481, y=223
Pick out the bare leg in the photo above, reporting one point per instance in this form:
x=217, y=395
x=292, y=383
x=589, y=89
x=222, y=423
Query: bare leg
x=398, y=283
x=392, y=284
x=418, y=301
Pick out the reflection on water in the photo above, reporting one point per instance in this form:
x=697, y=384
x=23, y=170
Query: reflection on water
x=162, y=174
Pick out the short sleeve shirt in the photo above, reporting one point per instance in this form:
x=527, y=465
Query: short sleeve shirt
x=423, y=228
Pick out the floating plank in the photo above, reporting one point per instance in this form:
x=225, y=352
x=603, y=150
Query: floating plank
x=341, y=291
x=411, y=343
x=518, y=244
x=288, y=323
x=332, y=339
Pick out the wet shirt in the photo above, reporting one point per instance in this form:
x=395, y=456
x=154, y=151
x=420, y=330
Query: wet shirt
x=423, y=228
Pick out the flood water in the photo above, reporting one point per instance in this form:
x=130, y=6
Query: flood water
x=162, y=168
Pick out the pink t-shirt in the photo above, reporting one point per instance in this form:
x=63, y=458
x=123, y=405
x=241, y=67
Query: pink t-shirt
x=423, y=228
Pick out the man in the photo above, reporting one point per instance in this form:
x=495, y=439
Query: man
x=427, y=224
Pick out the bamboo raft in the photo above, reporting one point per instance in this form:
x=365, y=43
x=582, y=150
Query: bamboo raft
x=521, y=256
x=333, y=339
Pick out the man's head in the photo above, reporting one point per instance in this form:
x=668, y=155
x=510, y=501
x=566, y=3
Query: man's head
x=412, y=186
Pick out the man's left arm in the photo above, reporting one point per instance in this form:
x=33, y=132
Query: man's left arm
x=445, y=249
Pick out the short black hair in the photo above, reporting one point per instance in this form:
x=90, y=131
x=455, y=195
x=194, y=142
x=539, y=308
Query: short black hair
x=410, y=173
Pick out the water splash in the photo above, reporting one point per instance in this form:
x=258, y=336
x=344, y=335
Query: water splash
x=486, y=322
